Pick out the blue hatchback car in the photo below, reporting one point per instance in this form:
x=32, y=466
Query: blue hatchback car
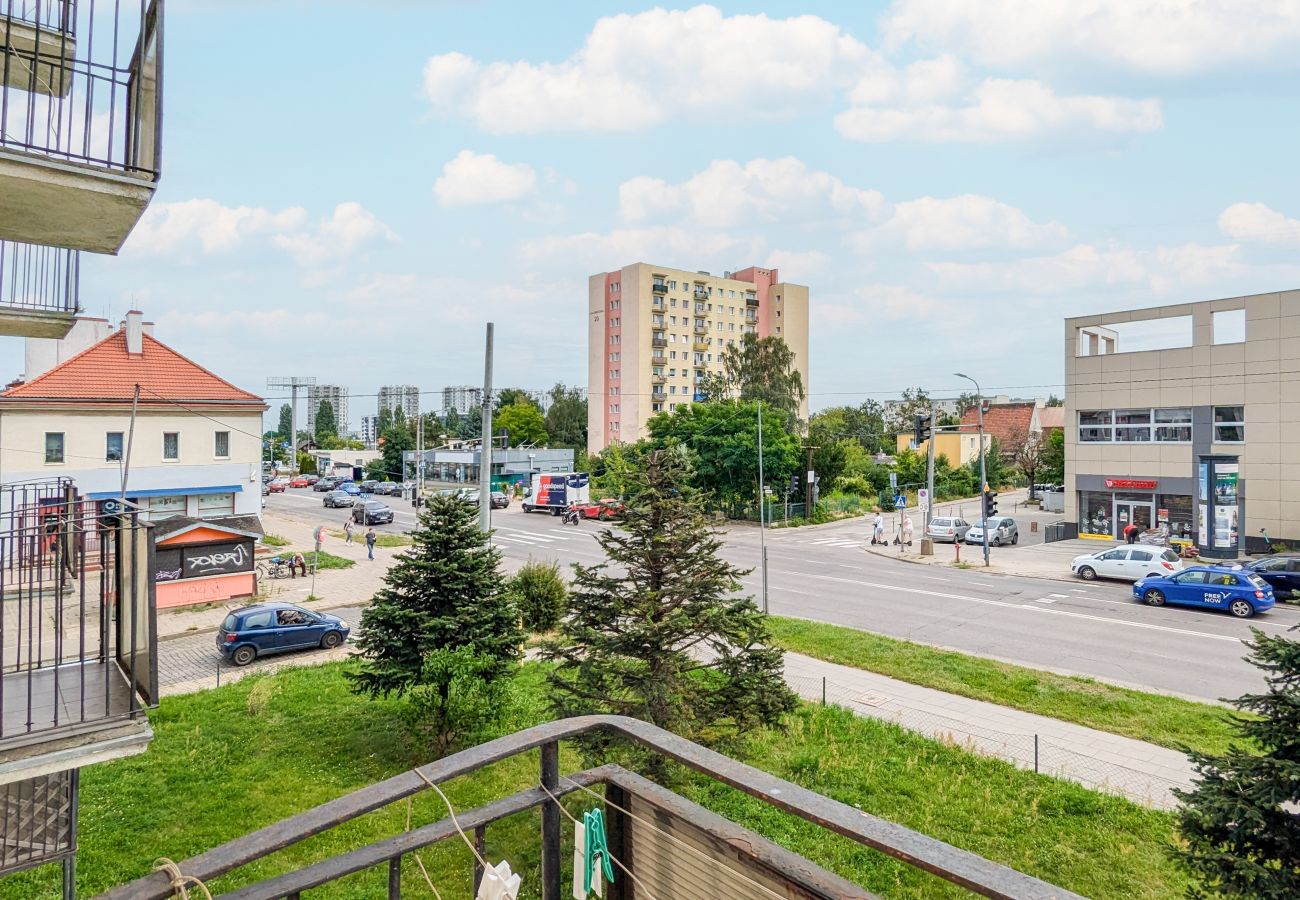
x=1238, y=590
x=350, y=487
x=266, y=628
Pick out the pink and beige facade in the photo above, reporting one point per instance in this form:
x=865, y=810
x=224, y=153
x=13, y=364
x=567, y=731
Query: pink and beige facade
x=654, y=332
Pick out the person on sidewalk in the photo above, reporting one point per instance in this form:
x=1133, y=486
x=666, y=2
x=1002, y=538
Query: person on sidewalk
x=296, y=564
x=371, y=537
x=907, y=531
x=347, y=532
x=1131, y=533
x=878, y=529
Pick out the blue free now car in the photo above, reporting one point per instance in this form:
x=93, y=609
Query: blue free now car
x=1235, y=589
x=266, y=628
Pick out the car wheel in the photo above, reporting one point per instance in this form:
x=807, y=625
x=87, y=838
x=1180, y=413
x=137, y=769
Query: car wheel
x=1241, y=609
x=1088, y=573
x=1015, y=538
x=243, y=655
x=331, y=640
x=1154, y=597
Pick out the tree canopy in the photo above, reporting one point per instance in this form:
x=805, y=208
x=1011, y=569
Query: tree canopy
x=523, y=422
x=284, y=432
x=566, y=418
x=760, y=369
x=326, y=427
x=511, y=396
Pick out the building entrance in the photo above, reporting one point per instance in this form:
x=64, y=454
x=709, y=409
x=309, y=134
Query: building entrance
x=1140, y=514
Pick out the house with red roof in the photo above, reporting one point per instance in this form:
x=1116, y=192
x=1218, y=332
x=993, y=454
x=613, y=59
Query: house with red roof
x=1008, y=423
x=119, y=411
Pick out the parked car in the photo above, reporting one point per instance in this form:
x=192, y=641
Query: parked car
x=325, y=483
x=338, y=499
x=1127, y=562
x=1234, y=588
x=382, y=488
x=371, y=512
x=603, y=510
x=1002, y=530
x=277, y=485
x=299, y=481
x=500, y=500
x=350, y=487
x=948, y=529
x=1281, y=571
x=312, y=479
x=266, y=628
x=368, y=486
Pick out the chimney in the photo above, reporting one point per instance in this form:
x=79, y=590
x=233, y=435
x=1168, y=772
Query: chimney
x=134, y=328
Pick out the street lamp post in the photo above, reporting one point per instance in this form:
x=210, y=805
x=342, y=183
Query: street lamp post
x=979, y=406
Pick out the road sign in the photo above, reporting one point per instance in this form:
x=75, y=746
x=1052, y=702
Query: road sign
x=319, y=535
x=900, y=501
x=893, y=482
x=922, y=497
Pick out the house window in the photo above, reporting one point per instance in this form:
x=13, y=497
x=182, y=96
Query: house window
x=221, y=445
x=171, y=446
x=166, y=507
x=1229, y=425
x=54, y=446
x=113, y=446
x=216, y=505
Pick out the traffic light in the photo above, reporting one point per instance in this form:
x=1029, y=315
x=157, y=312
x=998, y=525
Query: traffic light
x=921, y=424
x=990, y=503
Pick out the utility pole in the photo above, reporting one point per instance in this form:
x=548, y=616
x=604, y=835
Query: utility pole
x=292, y=385
x=808, y=488
x=929, y=473
x=979, y=406
x=485, y=452
x=762, y=504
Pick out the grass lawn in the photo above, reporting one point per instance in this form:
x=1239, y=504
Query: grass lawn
x=274, y=540
x=229, y=760
x=1168, y=721
x=382, y=539
x=325, y=560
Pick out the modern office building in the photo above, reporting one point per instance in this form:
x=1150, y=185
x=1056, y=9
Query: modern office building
x=337, y=397
x=461, y=398
x=405, y=397
x=1184, y=420
x=654, y=333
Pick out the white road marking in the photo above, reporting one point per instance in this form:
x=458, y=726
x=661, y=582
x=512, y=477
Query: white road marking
x=1059, y=596
x=1047, y=599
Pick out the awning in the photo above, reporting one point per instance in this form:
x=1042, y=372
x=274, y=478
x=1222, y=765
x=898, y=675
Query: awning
x=167, y=492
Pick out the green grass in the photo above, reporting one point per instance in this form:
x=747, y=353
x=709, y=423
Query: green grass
x=326, y=560
x=1167, y=721
x=274, y=540
x=382, y=539
x=233, y=759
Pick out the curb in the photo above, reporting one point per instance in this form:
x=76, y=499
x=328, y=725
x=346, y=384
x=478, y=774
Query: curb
x=917, y=561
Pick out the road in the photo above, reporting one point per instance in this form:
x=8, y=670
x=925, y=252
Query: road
x=1093, y=629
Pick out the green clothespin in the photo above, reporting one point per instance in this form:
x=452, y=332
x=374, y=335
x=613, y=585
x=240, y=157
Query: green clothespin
x=593, y=824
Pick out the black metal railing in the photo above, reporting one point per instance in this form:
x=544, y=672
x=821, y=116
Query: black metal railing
x=43, y=279
x=78, y=632
x=960, y=867
x=81, y=82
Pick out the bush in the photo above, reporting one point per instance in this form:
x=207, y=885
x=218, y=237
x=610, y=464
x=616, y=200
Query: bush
x=541, y=593
x=856, y=485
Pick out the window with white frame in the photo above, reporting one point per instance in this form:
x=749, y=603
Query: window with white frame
x=222, y=504
x=171, y=448
x=54, y=446
x=221, y=444
x=1229, y=424
x=1171, y=425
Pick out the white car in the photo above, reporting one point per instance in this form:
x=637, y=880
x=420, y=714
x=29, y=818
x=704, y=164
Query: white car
x=948, y=529
x=1129, y=562
x=1002, y=530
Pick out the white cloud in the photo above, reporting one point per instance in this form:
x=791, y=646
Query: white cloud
x=931, y=105
x=1168, y=37
x=762, y=191
x=959, y=223
x=634, y=71
x=207, y=227
x=798, y=266
x=591, y=252
x=472, y=179
x=1256, y=222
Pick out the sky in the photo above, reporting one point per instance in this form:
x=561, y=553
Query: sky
x=350, y=191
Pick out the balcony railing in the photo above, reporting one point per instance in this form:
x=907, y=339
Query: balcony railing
x=658, y=357
x=751, y=300
x=659, y=837
x=38, y=289
x=78, y=632
x=658, y=342
x=80, y=98
x=702, y=329
x=701, y=294
x=659, y=287
x=700, y=346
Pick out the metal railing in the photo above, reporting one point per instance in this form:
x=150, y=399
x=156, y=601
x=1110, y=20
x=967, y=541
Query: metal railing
x=78, y=633
x=43, y=279
x=952, y=864
x=81, y=82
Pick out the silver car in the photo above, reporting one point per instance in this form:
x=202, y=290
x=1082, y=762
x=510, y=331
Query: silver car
x=1002, y=530
x=948, y=529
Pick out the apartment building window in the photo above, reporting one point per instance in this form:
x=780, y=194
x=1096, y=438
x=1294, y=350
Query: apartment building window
x=1136, y=426
x=672, y=319
x=731, y=326
x=54, y=446
x=672, y=388
x=778, y=313
x=674, y=302
x=778, y=329
x=672, y=285
x=1229, y=424
x=656, y=407
x=672, y=354
x=221, y=445
x=614, y=339
x=113, y=446
x=171, y=446
x=671, y=372
x=615, y=322
x=613, y=392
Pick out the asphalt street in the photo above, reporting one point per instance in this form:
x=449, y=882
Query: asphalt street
x=823, y=574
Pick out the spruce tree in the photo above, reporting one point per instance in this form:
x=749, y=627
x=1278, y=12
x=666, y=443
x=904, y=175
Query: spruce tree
x=659, y=631
x=444, y=630
x=1240, y=823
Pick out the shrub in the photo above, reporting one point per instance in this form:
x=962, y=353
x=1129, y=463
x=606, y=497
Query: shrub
x=541, y=593
x=856, y=485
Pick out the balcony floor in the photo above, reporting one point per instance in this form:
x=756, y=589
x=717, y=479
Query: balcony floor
x=69, y=697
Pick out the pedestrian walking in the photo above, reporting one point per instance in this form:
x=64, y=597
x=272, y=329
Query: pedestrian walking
x=347, y=532
x=371, y=537
x=907, y=531
x=878, y=529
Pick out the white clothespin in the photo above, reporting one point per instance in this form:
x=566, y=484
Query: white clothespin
x=498, y=883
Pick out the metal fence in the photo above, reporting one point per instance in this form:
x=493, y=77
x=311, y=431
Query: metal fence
x=34, y=277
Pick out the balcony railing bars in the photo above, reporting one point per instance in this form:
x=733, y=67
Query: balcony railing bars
x=34, y=277
x=81, y=82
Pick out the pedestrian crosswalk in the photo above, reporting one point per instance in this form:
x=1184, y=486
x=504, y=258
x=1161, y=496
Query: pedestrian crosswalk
x=531, y=538
x=834, y=542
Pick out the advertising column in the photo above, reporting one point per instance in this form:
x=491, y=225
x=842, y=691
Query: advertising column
x=1219, y=507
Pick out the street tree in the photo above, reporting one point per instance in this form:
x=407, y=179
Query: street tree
x=523, y=422
x=901, y=414
x=285, y=431
x=511, y=396
x=326, y=427
x=393, y=444
x=471, y=424
x=384, y=420
x=1027, y=456
x=1053, y=459
x=1239, y=825
x=451, y=422
x=760, y=369
x=566, y=418
x=996, y=472
x=659, y=631
x=443, y=631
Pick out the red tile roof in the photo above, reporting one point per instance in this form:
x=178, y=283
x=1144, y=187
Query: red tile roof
x=1008, y=422
x=105, y=372
x=1052, y=417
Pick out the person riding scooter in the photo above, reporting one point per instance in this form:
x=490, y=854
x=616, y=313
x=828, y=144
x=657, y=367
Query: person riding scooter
x=571, y=516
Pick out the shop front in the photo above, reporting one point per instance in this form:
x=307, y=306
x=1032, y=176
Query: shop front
x=1161, y=508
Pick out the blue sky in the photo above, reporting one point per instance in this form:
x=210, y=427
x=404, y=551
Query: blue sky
x=351, y=190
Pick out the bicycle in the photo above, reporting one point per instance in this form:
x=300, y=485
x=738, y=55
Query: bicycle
x=275, y=567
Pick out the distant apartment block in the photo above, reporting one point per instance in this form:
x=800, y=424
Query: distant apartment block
x=461, y=398
x=336, y=396
x=369, y=431
x=405, y=397
x=654, y=333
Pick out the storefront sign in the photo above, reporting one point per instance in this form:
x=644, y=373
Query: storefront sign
x=1130, y=484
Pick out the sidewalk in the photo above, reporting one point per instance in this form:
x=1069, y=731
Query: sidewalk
x=1033, y=561
x=1098, y=760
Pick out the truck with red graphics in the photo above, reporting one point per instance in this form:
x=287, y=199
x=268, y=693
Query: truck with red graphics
x=553, y=492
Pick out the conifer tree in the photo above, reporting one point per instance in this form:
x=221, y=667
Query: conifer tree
x=1240, y=823
x=659, y=632
x=444, y=630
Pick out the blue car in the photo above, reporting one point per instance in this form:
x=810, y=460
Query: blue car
x=1233, y=588
x=266, y=628
x=350, y=487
